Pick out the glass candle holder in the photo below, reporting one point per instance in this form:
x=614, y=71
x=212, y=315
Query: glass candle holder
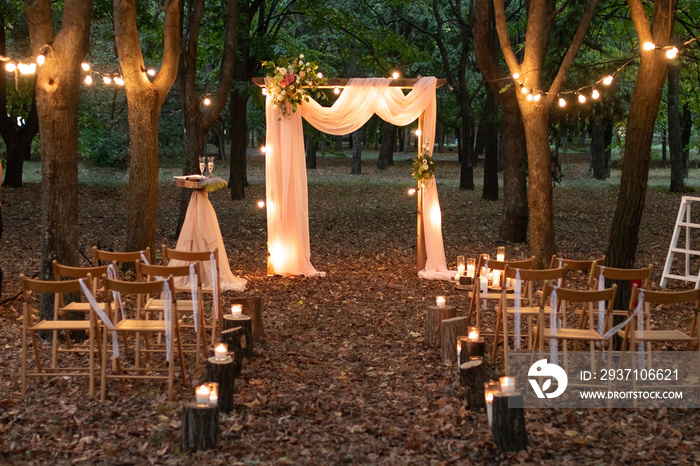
x=221, y=352
x=471, y=267
x=461, y=345
x=213, y=393
x=237, y=309
x=202, y=393
x=440, y=301
x=473, y=333
x=490, y=389
x=501, y=253
x=507, y=384
x=461, y=265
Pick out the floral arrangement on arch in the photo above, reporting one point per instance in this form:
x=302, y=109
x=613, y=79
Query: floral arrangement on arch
x=423, y=168
x=292, y=80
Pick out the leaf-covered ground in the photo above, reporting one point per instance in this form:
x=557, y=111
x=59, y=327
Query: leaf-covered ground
x=344, y=375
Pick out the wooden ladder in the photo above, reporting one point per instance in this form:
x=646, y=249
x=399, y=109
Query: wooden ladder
x=682, y=221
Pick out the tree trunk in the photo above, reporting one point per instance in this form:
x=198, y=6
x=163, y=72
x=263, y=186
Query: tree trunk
x=644, y=105
x=356, y=152
x=489, y=128
x=664, y=157
x=312, y=140
x=388, y=141
x=607, y=140
x=239, y=129
x=536, y=123
x=57, y=95
x=686, y=128
x=598, y=150
x=466, y=146
x=674, y=128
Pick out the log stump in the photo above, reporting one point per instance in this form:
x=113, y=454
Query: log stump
x=252, y=307
x=508, y=427
x=200, y=427
x=451, y=330
x=472, y=348
x=224, y=373
x=472, y=376
x=246, y=341
x=233, y=338
x=433, y=323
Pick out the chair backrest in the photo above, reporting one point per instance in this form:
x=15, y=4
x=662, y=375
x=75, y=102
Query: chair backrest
x=66, y=271
x=665, y=297
x=531, y=277
x=169, y=254
x=501, y=265
x=55, y=287
x=149, y=272
x=612, y=273
x=575, y=264
x=588, y=300
x=124, y=257
x=140, y=290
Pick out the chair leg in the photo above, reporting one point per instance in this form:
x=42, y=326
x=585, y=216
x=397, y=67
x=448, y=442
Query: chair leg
x=495, y=336
x=24, y=359
x=35, y=346
x=504, y=318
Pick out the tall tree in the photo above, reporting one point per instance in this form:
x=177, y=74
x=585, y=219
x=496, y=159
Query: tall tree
x=144, y=99
x=643, y=109
x=57, y=95
x=674, y=128
x=199, y=118
x=535, y=110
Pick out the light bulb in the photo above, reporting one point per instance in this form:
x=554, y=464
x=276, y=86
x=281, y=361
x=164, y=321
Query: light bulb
x=524, y=90
x=671, y=53
x=537, y=97
x=118, y=80
x=516, y=75
x=10, y=67
x=263, y=149
x=40, y=59
x=88, y=80
x=85, y=66
x=395, y=75
x=411, y=191
x=595, y=94
x=336, y=91
x=206, y=101
x=562, y=102
x=648, y=46
x=24, y=68
x=418, y=132
x=261, y=204
x=581, y=98
x=529, y=97
x=607, y=80
x=151, y=72
x=107, y=79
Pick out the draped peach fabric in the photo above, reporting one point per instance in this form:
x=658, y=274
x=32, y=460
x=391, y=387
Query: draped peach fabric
x=285, y=169
x=201, y=232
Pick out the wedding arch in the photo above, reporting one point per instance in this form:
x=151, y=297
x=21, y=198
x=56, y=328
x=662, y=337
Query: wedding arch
x=285, y=167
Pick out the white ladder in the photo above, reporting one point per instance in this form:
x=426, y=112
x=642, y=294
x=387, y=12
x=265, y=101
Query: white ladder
x=683, y=221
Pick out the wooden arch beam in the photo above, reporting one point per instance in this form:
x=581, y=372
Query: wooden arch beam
x=405, y=83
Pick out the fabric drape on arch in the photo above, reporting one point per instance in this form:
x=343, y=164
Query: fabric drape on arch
x=285, y=166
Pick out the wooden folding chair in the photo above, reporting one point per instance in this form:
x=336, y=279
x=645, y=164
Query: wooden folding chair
x=121, y=260
x=142, y=328
x=530, y=281
x=194, y=306
x=55, y=325
x=477, y=296
x=579, y=268
x=210, y=285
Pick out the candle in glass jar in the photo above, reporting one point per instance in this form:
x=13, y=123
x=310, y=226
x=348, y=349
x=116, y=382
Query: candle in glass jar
x=203, y=393
x=440, y=301
x=471, y=267
x=501, y=253
x=457, y=275
x=460, y=269
x=237, y=309
x=496, y=277
x=474, y=333
x=213, y=393
x=507, y=384
x=490, y=388
x=221, y=352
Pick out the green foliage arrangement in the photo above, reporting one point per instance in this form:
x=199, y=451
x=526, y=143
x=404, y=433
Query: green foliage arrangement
x=423, y=168
x=292, y=80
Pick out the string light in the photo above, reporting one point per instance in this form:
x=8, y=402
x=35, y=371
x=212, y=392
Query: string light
x=648, y=46
x=119, y=81
x=40, y=59
x=537, y=97
x=582, y=98
x=336, y=90
x=151, y=72
x=523, y=89
x=11, y=67
x=562, y=102
x=261, y=204
x=411, y=191
x=88, y=80
x=206, y=101
x=85, y=66
x=608, y=80
x=395, y=75
x=529, y=97
x=595, y=94
x=671, y=53
x=106, y=79
x=263, y=149
x=418, y=132
x=516, y=75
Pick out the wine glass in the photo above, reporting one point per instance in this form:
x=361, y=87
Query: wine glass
x=202, y=165
x=211, y=165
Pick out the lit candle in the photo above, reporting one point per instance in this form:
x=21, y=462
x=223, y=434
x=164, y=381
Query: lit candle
x=213, y=393
x=501, y=253
x=457, y=275
x=507, y=384
x=474, y=333
x=221, y=352
x=460, y=265
x=440, y=301
x=496, y=278
x=476, y=358
x=508, y=283
x=203, y=393
x=237, y=309
x=471, y=267
x=460, y=269
x=490, y=388
x=459, y=354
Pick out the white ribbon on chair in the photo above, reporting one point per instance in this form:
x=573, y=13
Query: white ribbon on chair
x=601, y=304
x=639, y=312
x=517, y=289
x=116, y=296
x=214, y=286
x=484, y=284
x=144, y=258
x=195, y=297
x=561, y=264
x=168, y=316
x=553, y=325
x=101, y=314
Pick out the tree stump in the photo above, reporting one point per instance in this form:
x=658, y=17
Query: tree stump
x=433, y=323
x=246, y=342
x=472, y=348
x=508, y=427
x=473, y=375
x=252, y=307
x=200, y=427
x=451, y=330
x=223, y=373
x=233, y=338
